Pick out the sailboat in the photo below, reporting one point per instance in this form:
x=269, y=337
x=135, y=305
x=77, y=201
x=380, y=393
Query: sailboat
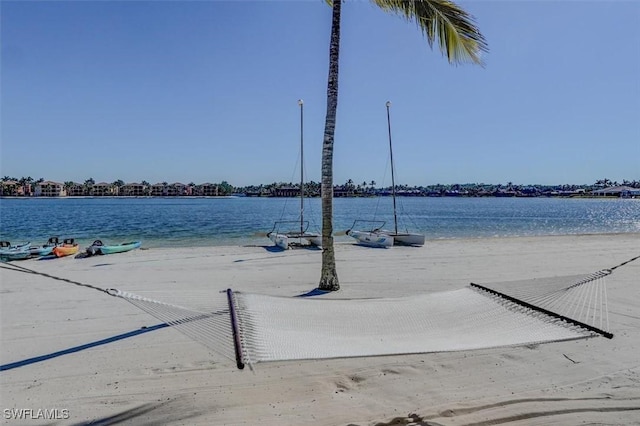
x=291, y=237
x=374, y=237
x=378, y=236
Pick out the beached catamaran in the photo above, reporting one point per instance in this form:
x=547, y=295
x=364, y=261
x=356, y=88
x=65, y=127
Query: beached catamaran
x=377, y=236
x=285, y=239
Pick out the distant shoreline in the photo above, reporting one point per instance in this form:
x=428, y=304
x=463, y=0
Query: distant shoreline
x=93, y=197
x=76, y=197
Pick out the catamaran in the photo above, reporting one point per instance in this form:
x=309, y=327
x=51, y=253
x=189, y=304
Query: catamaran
x=377, y=236
x=283, y=233
x=372, y=237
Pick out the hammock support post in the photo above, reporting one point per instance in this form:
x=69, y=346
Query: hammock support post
x=234, y=329
x=544, y=311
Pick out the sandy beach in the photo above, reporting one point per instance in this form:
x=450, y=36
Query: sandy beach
x=163, y=377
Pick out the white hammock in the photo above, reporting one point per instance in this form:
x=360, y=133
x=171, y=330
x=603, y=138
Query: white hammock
x=253, y=328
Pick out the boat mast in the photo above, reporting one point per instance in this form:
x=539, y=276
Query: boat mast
x=393, y=182
x=301, y=103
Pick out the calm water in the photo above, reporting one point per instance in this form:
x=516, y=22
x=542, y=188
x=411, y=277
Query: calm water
x=240, y=221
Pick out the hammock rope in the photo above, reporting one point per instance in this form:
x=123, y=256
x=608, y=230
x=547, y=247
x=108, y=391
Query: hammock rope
x=206, y=327
x=18, y=268
x=582, y=303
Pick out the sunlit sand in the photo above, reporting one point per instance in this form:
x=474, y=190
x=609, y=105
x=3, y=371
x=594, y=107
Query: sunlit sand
x=101, y=357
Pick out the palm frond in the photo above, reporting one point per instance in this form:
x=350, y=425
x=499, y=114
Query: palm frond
x=443, y=21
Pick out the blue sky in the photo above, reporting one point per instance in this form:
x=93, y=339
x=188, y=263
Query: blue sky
x=207, y=91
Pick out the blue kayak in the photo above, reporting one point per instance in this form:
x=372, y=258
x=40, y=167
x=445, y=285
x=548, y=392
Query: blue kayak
x=99, y=248
x=17, y=252
x=45, y=249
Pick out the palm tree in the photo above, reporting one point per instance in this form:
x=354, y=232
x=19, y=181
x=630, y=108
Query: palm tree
x=68, y=185
x=88, y=186
x=145, y=190
x=439, y=20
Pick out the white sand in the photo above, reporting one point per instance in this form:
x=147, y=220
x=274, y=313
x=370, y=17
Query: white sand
x=162, y=377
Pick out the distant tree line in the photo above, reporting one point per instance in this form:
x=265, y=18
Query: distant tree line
x=26, y=186
x=365, y=189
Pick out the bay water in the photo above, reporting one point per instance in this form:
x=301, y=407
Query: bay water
x=183, y=221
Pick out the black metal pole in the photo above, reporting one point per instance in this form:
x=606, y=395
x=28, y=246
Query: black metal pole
x=393, y=180
x=235, y=331
x=301, y=103
x=544, y=311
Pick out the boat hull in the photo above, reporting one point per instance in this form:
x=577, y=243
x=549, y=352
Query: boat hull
x=314, y=240
x=280, y=240
x=119, y=248
x=41, y=251
x=405, y=239
x=65, y=250
x=371, y=239
x=45, y=249
x=286, y=240
x=311, y=238
x=8, y=255
x=17, y=252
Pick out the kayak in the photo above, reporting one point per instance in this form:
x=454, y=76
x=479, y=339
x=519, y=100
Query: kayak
x=45, y=249
x=17, y=252
x=99, y=248
x=67, y=248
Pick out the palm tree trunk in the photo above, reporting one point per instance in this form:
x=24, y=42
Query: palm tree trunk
x=329, y=276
